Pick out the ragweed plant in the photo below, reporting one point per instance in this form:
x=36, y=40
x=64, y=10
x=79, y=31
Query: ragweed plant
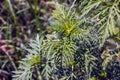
x=35, y=59
x=105, y=14
x=28, y=63
x=57, y=50
x=66, y=23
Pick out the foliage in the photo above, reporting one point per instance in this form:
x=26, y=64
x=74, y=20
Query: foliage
x=81, y=45
x=27, y=64
x=106, y=13
x=67, y=24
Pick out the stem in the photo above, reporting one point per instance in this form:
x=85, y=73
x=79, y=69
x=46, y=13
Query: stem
x=71, y=7
x=13, y=64
x=38, y=73
x=37, y=10
x=72, y=71
x=12, y=11
x=2, y=67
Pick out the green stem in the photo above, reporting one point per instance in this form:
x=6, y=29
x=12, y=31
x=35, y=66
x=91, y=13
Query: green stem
x=12, y=11
x=11, y=60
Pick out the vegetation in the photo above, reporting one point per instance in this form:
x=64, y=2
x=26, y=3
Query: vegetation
x=81, y=42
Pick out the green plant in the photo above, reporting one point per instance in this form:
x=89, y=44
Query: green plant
x=67, y=24
x=27, y=64
x=57, y=50
x=107, y=59
x=105, y=14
